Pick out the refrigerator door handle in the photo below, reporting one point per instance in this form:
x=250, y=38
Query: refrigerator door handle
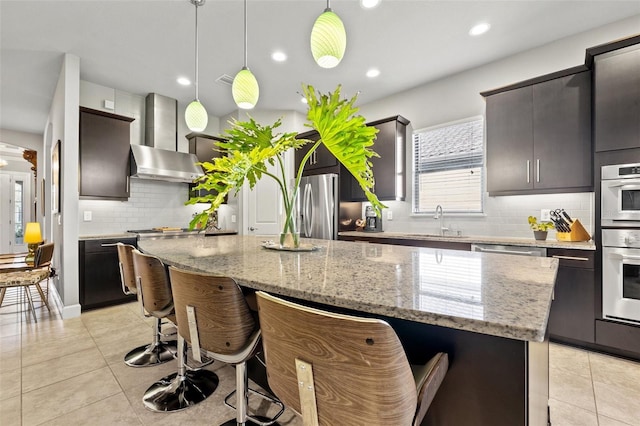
x=303, y=210
x=308, y=210
x=311, y=212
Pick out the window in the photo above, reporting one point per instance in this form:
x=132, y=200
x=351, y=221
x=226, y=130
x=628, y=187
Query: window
x=19, y=210
x=448, y=165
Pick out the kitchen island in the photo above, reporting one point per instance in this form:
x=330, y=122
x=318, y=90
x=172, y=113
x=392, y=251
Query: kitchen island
x=488, y=312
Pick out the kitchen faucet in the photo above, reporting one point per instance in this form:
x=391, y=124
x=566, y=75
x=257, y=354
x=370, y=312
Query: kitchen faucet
x=440, y=215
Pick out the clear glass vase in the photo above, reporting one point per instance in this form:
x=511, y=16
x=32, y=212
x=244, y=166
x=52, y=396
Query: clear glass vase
x=290, y=235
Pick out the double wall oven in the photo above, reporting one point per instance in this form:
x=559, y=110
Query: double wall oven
x=620, y=215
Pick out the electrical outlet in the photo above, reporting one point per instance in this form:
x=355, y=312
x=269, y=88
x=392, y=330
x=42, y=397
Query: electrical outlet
x=389, y=215
x=233, y=218
x=87, y=216
x=545, y=215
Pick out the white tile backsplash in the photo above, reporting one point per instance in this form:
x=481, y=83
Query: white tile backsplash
x=151, y=204
x=504, y=216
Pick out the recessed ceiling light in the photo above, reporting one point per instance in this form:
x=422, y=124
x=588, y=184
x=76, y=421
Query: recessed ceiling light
x=303, y=100
x=478, y=29
x=373, y=72
x=369, y=4
x=279, y=56
x=184, y=81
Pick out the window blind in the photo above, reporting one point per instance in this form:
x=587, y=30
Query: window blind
x=448, y=167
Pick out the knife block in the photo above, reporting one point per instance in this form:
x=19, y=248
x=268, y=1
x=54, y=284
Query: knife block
x=578, y=233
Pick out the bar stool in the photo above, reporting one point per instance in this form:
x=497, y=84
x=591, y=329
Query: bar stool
x=186, y=387
x=158, y=351
x=213, y=316
x=336, y=369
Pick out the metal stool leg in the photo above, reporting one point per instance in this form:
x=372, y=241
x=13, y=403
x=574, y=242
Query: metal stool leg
x=242, y=402
x=182, y=389
x=157, y=352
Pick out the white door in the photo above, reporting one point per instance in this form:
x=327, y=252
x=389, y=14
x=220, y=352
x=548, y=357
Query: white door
x=264, y=207
x=15, y=210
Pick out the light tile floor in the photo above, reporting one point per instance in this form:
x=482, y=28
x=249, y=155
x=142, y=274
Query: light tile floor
x=70, y=372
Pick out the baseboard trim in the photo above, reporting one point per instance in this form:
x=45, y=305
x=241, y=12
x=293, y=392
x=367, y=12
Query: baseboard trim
x=71, y=311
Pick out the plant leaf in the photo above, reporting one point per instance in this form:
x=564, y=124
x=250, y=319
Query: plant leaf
x=345, y=135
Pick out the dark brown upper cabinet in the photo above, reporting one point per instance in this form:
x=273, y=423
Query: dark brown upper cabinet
x=617, y=99
x=320, y=161
x=539, y=137
x=203, y=146
x=104, y=155
x=388, y=169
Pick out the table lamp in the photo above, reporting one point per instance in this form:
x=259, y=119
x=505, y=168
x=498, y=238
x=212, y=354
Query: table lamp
x=33, y=238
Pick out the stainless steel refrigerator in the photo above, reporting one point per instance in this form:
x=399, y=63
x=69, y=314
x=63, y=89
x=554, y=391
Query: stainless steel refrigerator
x=318, y=206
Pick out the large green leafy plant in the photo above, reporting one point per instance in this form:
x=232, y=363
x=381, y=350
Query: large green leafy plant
x=251, y=148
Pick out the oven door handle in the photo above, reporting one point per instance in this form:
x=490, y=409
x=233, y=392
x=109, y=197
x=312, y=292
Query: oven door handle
x=629, y=260
x=624, y=185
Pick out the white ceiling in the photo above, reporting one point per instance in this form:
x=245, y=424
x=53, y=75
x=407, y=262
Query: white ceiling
x=142, y=46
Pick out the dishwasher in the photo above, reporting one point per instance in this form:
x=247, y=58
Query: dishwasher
x=505, y=249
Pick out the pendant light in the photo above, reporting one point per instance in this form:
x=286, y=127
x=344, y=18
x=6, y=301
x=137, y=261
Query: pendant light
x=328, y=39
x=245, y=87
x=195, y=115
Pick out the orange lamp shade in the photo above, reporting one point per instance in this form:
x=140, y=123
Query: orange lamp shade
x=32, y=234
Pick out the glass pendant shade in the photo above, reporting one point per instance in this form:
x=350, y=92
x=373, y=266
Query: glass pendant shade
x=328, y=40
x=196, y=117
x=245, y=89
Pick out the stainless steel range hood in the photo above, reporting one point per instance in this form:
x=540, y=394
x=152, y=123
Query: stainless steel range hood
x=161, y=164
x=158, y=159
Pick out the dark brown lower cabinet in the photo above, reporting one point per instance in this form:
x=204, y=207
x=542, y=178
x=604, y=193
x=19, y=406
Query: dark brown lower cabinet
x=572, y=313
x=100, y=275
x=624, y=337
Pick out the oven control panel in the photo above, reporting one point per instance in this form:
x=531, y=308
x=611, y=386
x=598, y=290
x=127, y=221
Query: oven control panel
x=621, y=238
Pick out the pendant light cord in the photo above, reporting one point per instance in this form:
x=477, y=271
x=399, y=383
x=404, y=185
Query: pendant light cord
x=245, y=33
x=197, y=99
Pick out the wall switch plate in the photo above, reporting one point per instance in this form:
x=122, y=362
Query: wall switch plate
x=87, y=216
x=233, y=218
x=545, y=215
x=109, y=104
x=390, y=215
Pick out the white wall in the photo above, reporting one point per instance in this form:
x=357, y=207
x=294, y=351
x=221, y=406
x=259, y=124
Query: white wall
x=458, y=96
x=61, y=227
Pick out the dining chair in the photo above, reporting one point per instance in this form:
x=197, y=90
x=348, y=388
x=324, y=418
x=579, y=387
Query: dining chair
x=158, y=351
x=336, y=369
x=33, y=276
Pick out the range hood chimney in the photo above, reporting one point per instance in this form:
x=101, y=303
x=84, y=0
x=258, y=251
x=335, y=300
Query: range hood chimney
x=159, y=159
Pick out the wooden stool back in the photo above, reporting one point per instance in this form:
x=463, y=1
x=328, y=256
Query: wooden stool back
x=360, y=373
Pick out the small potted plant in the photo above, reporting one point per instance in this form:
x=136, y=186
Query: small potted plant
x=540, y=229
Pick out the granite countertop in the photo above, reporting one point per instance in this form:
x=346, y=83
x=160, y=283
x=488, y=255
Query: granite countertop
x=476, y=239
x=107, y=236
x=496, y=294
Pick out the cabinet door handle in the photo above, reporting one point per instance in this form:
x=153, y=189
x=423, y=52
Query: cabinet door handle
x=581, y=259
x=128, y=181
x=528, y=171
x=108, y=244
x=537, y=170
